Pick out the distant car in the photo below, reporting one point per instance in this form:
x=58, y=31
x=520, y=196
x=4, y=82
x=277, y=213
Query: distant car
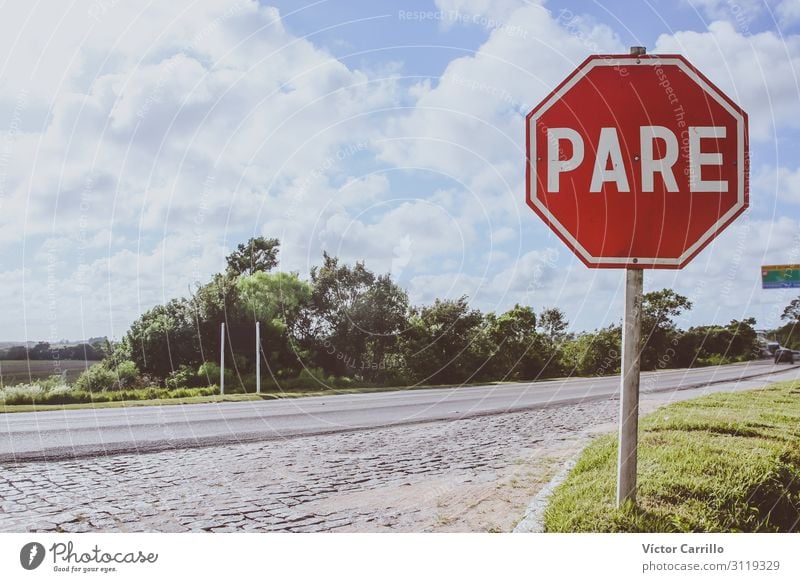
x=784, y=355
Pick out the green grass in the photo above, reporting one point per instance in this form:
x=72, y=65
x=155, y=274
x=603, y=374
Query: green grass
x=52, y=393
x=30, y=398
x=130, y=403
x=721, y=463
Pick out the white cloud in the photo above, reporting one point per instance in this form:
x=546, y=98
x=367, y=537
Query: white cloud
x=152, y=124
x=362, y=189
x=740, y=12
x=761, y=71
x=788, y=12
x=494, y=11
x=139, y=143
x=426, y=288
x=489, y=93
x=377, y=233
x=778, y=184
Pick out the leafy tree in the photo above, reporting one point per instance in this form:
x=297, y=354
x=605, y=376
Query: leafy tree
x=41, y=351
x=593, y=354
x=381, y=316
x=276, y=300
x=353, y=320
x=517, y=351
x=256, y=255
x=442, y=344
x=659, y=332
x=214, y=303
x=736, y=341
x=553, y=322
x=44, y=351
x=786, y=334
x=17, y=353
x=791, y=312
x=164, y=337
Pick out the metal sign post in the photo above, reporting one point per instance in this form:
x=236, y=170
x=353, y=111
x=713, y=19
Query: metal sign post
x=258, y=357
x=222, y=358
x=629, y=378
x=629, y=393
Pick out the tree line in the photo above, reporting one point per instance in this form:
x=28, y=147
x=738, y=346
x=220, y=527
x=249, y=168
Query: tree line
x=44, y=351
x=346, y=325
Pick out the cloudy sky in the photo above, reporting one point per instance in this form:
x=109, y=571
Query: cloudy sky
x=140, y=141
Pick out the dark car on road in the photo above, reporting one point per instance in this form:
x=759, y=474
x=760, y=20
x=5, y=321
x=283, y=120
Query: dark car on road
x=784, y=355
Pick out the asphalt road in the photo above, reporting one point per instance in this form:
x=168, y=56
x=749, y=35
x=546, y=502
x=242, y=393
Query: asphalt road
x=65, y=434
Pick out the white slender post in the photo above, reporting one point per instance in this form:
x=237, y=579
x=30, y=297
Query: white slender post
x=258, y=357
x=222, y=358
x=629, y=394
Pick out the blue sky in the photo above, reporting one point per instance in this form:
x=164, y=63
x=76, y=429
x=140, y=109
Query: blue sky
x=139, y=143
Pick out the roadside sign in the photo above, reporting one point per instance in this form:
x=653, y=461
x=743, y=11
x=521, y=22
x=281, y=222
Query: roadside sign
x=780, y=276
x=637, y=161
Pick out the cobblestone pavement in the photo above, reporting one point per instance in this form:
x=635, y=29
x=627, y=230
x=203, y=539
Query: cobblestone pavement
x=467, y=475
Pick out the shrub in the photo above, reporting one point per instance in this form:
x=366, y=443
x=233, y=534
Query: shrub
x=64, y=394
x=208, y=374
x=313, y=376
x=183, y=377
x=127, y=374
x=36, y=392
x=97, y=379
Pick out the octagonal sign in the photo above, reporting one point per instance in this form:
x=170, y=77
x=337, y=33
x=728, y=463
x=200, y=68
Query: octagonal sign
x=637, y=161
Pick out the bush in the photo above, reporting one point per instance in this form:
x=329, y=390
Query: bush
x=127, y=374
x=183, y=377
x=208, y=374
x=64, y=394
x=97, y=379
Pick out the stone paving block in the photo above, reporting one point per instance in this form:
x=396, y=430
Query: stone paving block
x=300, y=483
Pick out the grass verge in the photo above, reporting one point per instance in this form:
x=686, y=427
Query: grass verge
x=720, y=463
x=77, y=399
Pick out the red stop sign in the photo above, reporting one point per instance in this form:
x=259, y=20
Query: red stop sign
x=637, y=161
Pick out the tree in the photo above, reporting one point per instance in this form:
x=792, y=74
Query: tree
x=353, y=320
x=659, y=333
x=792, y=311
x=257, y=254
x=17, y=353
x=517, y=351
x=41, y=351
x=553, y=322
x=381, y=315
x=593, y=354
x=276, y=300
x=164, y=338
x=214, y=303
x=714, y=344
x=443, y=343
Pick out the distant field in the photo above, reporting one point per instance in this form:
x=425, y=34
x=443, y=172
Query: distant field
x=19, y=371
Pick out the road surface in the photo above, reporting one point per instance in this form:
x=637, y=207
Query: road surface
x=467, y=459
x=80, y=433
